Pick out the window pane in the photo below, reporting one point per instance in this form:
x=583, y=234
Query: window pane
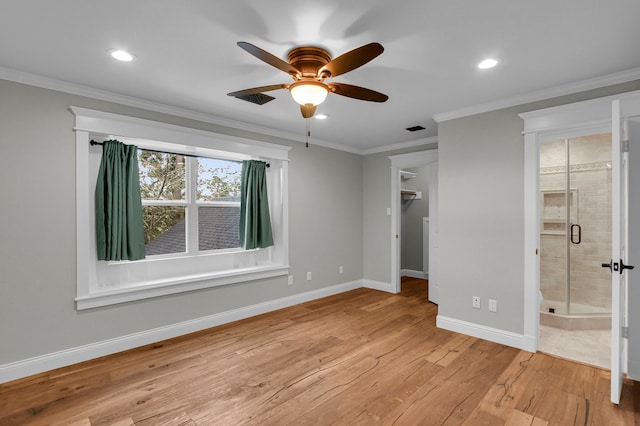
x=218, y=180
x=218, y=227
x=164, y=229
x=162, y=175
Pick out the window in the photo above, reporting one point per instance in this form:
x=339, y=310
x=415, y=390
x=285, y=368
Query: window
x=218, y=201
x=184, y=196
x=190, y=185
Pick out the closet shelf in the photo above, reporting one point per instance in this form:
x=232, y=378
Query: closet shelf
x=407, y=175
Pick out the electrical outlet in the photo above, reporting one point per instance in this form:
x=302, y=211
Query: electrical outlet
x=476, y=302
x=290, y=282
x=340, y=269
x=308, y=276
x=493, y=305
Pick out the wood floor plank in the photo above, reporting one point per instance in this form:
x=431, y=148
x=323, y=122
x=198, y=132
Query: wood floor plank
x=358, y=358
x=502, y=397
x=124, y=422
x=518, y=418
x=452, y=349
x=452, y=394
x=81, y=422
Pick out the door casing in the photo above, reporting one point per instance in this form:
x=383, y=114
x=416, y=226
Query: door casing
x=398, y=162
x=583, y=118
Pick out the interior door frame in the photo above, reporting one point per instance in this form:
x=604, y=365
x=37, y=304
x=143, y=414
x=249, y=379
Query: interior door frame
x=582, y=118
x=398, y=162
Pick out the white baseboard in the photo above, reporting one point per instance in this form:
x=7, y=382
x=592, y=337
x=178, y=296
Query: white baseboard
x=483, y=332
x=413, y=274
x=378, y=285
x=39, y=364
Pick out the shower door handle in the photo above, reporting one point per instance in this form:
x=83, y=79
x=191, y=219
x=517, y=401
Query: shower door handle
x=579, y=240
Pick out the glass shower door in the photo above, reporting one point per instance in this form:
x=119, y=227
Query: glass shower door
x=575, y=229
x=589, y=224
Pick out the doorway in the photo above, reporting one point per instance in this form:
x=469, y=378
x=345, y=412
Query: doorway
x=610, y=114
x=414, y=221
x=399, y=162
x=575, y=235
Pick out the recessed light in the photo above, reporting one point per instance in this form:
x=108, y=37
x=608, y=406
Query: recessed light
x=487, y=63
x=122, y=55
x=321, y=116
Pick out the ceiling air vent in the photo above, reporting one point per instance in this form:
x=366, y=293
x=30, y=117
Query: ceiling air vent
x=256, y=98
x=415, y=128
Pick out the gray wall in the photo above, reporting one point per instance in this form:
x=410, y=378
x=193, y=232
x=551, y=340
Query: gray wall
x=331, y=224
x=377, y=225
x=481, y=178
x=37, y=230
x=412, y=212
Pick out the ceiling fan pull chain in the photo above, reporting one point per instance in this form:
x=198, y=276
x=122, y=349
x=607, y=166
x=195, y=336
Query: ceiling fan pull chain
x=308, y=131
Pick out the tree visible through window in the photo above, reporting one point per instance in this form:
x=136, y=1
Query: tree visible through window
x=183, y=196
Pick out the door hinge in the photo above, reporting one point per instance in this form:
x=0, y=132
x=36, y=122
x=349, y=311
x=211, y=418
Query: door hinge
x=625, y=332
x=625, y=146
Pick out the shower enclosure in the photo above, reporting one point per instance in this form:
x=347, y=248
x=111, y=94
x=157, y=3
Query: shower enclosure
x=575, y=232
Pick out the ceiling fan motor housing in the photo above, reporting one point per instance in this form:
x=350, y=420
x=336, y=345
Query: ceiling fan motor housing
x=309, y=60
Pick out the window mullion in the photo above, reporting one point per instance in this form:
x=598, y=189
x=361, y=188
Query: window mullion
x=192, y=209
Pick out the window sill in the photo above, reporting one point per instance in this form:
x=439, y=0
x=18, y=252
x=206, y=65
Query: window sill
x=146, y=290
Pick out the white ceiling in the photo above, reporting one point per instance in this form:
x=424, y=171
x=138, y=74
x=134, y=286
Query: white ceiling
x=187, y=57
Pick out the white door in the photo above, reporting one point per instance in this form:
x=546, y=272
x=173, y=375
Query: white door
x=618, y=260
x=633, y=250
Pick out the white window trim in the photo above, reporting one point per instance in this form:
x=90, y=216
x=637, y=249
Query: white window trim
x=241, y=265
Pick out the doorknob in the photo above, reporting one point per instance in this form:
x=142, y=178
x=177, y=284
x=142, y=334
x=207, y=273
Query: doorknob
x=613, y=266
x=623, y=266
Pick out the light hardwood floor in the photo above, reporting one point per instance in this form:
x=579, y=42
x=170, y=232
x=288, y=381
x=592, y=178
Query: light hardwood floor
x=359, y=358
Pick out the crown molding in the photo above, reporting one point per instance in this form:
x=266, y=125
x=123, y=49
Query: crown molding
x=104, y=95
x=565, y=89
x=401, y=145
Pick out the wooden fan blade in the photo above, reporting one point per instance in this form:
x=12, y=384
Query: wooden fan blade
x=352, y=59
x=267, y=57
x=255, y=90
x=308, y=110
x=357, y=92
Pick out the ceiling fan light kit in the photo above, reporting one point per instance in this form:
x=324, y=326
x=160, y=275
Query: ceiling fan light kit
x=309, y=92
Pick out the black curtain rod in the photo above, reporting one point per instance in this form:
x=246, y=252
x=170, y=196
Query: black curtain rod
x=93, y=143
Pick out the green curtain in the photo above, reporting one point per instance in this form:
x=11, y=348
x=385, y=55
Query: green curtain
x=255, y=223
x=119, y=226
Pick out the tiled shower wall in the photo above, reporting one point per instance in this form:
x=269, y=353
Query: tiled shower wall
x=590, y=185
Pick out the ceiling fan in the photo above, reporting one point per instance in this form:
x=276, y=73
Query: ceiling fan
x=309, y=67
